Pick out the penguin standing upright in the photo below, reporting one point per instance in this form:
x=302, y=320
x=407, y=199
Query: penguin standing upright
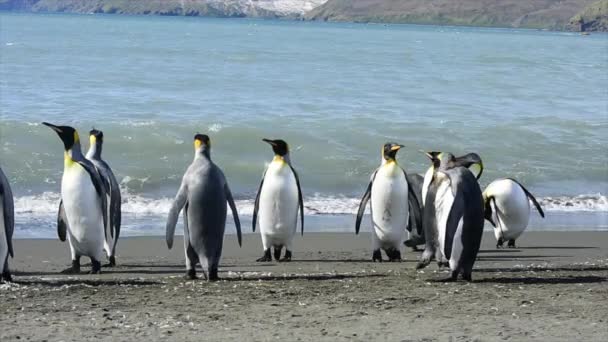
x=508, y=209
x=7, y=225
x=420, y=184
x=277, y=203
x=202, y=195
x=114, y=205
x=391, y=200
x=453, y=217
x=83, y=210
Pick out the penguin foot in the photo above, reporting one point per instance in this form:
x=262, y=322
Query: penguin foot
x=499, y=243
x=111, y=262
x=95, y=267
x=467, y=276
x=213, y=275
x=190, y=274
x=425, y=259
x=6, y=277
x=266, y=257
x=377, y=256
x=394, y=255
x=277, y=253
x=511, y=244
x=287, y=257
x=443, y=263
x=75, y=269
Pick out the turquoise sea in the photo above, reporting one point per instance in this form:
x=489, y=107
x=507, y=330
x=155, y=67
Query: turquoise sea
x=533, y=104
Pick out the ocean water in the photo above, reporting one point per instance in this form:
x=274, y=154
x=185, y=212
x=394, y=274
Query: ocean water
x=533, y=104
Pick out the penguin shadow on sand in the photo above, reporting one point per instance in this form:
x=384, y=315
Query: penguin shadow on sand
x=59, y=282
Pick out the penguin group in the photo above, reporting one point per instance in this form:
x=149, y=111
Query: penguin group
x=444, y=209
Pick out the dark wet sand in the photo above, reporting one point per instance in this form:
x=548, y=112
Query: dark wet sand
x=554, y=287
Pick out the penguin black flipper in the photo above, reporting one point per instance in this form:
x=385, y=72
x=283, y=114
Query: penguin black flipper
x=8, y=211
x=235, y=214
x=256, y=206
x=414, y=202
x=101, y=189
x=466, y=213
x=531, y=197
x=366, y=196
x=113, y=190
x=62, y=223
x=180, y=201
x=300, y=201
x=489, y=210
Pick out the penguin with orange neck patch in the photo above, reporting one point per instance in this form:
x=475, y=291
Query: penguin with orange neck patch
x=83, y=210
x=392, y=205
x=114, y=205
x=277, y=203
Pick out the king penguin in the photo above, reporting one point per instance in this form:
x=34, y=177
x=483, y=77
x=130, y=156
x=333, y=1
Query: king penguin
x=83, y=210
x=202, y=195
x=453, y=217
x=420, y=185
x=7, y=225
x=114, y=214
x=277, y=203
x=391, y=201
x=508, y=209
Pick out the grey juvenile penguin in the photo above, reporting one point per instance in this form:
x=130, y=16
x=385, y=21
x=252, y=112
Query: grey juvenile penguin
x=114, y=203
x=203, y=195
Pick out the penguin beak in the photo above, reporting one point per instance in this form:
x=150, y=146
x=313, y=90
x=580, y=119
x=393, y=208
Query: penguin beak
x=269, y=141
x=428, y=154
x=53, y=127
x=396, y=147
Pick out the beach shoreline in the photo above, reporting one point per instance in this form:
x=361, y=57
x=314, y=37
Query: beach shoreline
x=552, y=287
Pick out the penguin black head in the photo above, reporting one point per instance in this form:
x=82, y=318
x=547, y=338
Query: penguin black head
x=279, y=147
x=471, y=161
x=96, y=136
x=440, y=159
x=202, y=141
x=68, y=135
x=389, y=151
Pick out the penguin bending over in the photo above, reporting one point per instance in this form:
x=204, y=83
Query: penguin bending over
x=202, y=195
x=392, y=205
x=114, y=205
x=7, y=226
x=508, y=209
x=453, y=217
x=277, y=203
x=83, y=210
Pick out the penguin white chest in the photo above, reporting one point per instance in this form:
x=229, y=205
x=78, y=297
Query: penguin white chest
x=444, y=199
x=82, y=209
x=278, y=206
x=389, y=204
x=510, y=207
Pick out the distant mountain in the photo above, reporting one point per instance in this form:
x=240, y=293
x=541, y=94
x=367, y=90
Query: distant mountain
x=542, y=14
x=217, y=8
x=577, y=15
x=592, y=18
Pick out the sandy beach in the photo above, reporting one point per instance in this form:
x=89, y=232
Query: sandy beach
x=553, y=287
